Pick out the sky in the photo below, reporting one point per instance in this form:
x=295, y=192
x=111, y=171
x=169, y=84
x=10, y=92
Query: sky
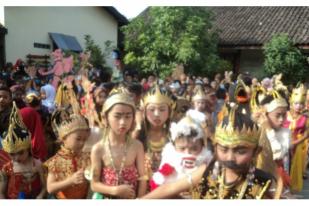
x=130, y=12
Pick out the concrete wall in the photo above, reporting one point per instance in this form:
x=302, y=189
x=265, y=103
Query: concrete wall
x=27, y=25
x=252, y=61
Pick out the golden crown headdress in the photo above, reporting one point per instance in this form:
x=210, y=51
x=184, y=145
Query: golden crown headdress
x=278, y=101
x=258, y=93
x=233, y=135
x=278, y=84
x=31, y=96
x=298, y=94
x=17, y=137
x=156, y=96
x=118, y=95
x=70, y=124
x=199, y=95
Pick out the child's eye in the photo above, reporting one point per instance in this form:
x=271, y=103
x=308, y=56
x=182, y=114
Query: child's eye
x=241, y=151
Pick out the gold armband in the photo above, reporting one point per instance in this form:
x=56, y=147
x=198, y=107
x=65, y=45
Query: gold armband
x=144, y=177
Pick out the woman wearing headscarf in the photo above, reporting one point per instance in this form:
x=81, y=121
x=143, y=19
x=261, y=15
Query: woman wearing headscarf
x=33, y=122
x=48, y=94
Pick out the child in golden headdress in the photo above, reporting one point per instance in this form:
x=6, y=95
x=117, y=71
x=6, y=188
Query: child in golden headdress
x=271, y=117
x=117, y=161
x=231, y=174
x=158, y=107
x=298, y=123
x=65, y=177
x=22, y=177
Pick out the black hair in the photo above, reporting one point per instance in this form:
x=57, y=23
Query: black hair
x=135, y=88
x=35, y=102
x=5, y=88
x=221, y=93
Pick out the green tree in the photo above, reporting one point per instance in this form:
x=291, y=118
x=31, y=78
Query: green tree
x=163, y=37
x=281, y=56
x=98, y=56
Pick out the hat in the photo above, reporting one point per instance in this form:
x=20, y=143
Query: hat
x=236, y=130
x=17, y=138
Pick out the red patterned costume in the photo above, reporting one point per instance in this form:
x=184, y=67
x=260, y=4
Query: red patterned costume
x=20, y=182
x=128, y=176
x=64, y=164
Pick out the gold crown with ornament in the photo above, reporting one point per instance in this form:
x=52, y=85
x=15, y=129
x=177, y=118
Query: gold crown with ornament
x=17, y=138
x=31, y=96
x=299, y=94
x=156, y=96
x=232, y=135
x=69, y=124
x=258, y=94
x=278, y=101
x=118, y=95
x=199, y=95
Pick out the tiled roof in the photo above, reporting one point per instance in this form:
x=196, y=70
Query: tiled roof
x=122, y=20
x=245, y=26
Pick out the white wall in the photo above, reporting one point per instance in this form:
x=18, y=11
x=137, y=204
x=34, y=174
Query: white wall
x=27, y=25
x=252, y=60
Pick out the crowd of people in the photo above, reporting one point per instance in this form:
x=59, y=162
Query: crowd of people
x=91, y=135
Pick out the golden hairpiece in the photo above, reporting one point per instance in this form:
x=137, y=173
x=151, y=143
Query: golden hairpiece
x=73, y=123
x=199, y=95
x=278, y=84
x=31, y=96
x=118, y=95
x=229, y=135
x=257, y=93
x=299, y=94
x=155, y=96
x=17, y=137
x=278, y=101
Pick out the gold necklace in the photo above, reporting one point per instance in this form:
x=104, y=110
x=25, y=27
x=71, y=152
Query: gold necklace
x=222, y=186
x=156, y=146
x=122, y=160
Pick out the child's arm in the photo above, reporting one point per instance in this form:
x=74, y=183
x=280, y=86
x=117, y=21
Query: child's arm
x=142, y=183
x=3, y=184
x=174, y=188
x=123, y=191
x=54, y=186
x=42, y=178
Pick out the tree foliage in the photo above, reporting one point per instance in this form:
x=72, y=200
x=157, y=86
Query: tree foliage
x=163, y=37
x=281, y=56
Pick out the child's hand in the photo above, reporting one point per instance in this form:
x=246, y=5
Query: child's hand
x=125, y=191
x=78, y=177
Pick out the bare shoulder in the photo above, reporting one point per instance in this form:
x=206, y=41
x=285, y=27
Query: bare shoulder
x=136, y=144
x=97, y=148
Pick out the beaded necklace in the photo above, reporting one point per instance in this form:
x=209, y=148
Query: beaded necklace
x=248, y=181
x=123, y=160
